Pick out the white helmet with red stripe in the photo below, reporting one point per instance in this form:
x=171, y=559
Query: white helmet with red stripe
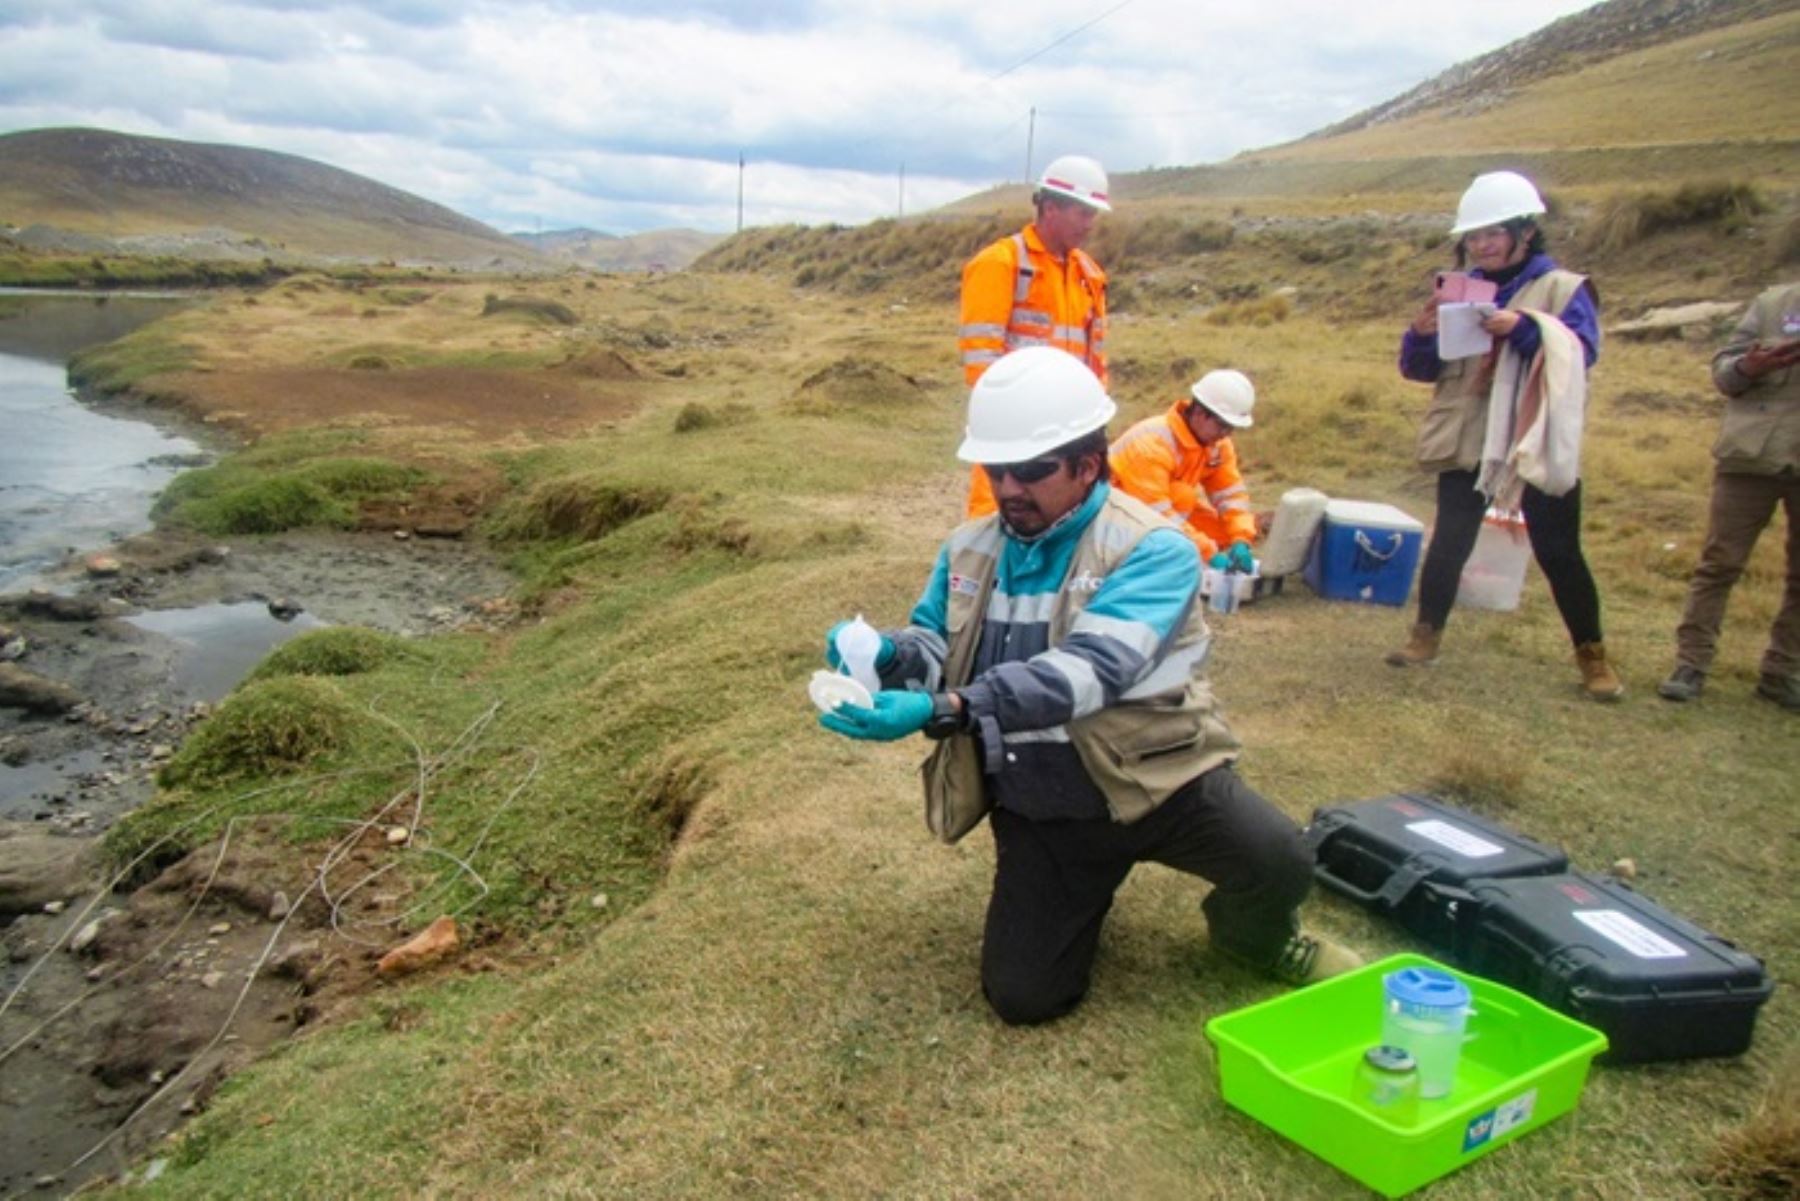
x=1078, y=178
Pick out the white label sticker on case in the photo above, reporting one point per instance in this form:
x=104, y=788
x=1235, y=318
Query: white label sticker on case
x=1635, y=937
x=1456, y=839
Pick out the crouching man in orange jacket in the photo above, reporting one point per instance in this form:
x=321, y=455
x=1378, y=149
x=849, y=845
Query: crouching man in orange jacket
x=1183, y=465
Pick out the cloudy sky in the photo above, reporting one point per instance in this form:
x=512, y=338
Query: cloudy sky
x=631, y=115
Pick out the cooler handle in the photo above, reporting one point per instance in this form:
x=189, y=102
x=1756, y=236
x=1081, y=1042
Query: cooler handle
x=1368, y=548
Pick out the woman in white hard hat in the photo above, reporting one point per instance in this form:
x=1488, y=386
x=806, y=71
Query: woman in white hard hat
x=1504, y=427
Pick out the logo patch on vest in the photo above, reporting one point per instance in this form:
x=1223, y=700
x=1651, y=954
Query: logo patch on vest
x=967, y=585
x=1085, y=582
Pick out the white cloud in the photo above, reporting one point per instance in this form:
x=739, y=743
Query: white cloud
x=631, y=114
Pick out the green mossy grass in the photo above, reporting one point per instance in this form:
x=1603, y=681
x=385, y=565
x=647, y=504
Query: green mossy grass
x=268, y=727
x=285, y=482
x=333, y=651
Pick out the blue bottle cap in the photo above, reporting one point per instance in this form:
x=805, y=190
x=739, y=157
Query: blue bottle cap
x=1426, y=988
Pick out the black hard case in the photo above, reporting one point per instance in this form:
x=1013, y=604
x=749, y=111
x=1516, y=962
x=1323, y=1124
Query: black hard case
x=1374, y=853
x=1651, y=1002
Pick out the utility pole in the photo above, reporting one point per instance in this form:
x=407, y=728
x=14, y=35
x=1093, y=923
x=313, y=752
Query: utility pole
x=740, y=227
x=902, y=190
x=1030, y=136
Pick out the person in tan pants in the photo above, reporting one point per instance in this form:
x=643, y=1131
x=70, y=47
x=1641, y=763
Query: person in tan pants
x=1758, y=468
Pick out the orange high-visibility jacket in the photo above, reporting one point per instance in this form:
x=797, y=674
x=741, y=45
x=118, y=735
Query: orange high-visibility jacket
x=1015, y=293
x=1160, y=462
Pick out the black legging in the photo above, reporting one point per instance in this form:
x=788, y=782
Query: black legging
x=1554, y=524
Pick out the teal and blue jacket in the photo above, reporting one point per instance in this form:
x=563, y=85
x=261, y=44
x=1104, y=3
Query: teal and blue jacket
x=1024, y=691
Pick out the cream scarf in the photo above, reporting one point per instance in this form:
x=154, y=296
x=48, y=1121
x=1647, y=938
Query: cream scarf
x=1534, y=419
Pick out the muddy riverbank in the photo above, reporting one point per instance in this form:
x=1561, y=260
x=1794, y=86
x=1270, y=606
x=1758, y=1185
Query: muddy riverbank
x=113, y=999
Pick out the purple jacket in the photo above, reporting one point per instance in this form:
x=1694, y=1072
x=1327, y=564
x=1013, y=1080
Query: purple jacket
x=1418, y=352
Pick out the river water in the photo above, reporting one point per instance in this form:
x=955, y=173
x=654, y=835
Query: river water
x=71, y=478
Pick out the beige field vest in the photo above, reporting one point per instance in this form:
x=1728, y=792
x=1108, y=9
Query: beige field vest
x=1761, y=431
x=1455, y=423
x=1162, y=733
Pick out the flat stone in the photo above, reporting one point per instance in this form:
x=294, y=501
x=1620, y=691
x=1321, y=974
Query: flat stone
x=39, y=869
x=1697, y=319
x=21, y=689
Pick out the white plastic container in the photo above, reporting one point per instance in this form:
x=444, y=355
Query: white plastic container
x=858, y=645
x=1494, y=576
x=1291, y=533
x=1226, y=590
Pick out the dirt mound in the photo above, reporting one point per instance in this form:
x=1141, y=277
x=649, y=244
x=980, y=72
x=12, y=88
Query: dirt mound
x=856, y=383
x=599, y=364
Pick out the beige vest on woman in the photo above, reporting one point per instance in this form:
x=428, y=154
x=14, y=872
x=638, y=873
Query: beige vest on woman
x=1455, y=423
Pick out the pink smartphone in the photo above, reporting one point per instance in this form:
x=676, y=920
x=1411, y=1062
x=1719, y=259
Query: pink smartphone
x=1452, y=287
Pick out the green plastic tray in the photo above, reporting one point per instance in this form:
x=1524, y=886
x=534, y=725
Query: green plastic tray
x=1290, y=1063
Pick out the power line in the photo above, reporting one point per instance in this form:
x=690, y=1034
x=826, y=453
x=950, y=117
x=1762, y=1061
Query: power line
x=1031, y=58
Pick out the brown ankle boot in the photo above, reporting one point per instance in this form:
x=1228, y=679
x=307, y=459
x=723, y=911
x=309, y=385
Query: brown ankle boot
x=1597, y=676
x=1421, y=647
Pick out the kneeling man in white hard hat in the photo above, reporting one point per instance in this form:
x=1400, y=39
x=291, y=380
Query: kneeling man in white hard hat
x=1057, y=657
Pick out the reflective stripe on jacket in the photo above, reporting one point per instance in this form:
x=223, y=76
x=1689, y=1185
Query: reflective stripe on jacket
x=1015, y=293
x=1089, y=693
x=1160, y=462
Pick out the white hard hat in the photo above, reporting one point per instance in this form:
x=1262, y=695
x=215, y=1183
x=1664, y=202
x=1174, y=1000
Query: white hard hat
x=1228, y=395
x=1495, y=198
x=1030, y=401
x=1078, y=178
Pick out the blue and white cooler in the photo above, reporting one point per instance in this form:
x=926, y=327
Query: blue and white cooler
x=1366, y=551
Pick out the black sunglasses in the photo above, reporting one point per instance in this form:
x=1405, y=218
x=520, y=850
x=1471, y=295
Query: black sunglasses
x=1032, y=471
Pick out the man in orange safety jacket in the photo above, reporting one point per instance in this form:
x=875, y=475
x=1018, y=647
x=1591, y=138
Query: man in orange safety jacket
x=1183, y=464
x=1038, y=287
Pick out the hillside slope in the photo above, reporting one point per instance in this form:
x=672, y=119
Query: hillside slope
x=96, y=190
x=1582, y=39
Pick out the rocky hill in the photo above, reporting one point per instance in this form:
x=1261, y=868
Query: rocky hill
x=656, y=250
x=1603, y=31
x=96, y=191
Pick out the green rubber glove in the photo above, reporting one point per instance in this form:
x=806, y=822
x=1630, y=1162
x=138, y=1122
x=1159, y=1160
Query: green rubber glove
x=883, y=658
x=1241, y=558
x=895, y=714
x=1219, y=562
